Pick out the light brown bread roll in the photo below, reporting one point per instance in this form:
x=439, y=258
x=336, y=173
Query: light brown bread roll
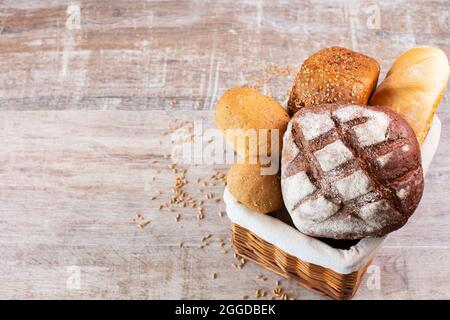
x=245, y=108
x=334, y=75
x=260, y=193
x=414, y=86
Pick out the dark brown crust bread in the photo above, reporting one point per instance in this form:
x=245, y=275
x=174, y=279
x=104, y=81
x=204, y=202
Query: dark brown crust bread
x=350, y=171
x=334, y=75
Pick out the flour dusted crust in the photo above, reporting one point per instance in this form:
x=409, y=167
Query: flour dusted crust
x=414, y=86
x=350, y=171
x=334, y=75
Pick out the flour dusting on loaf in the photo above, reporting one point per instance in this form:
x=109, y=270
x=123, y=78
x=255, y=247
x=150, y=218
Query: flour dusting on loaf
x=402, y=193
x=292, y=149
x=370, y=132
x=297, y=187
x=334, y=75
x=346, y=173
x=374, y=130
x=316, y=209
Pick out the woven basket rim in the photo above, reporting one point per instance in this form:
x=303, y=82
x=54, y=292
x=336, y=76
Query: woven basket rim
x=314, y=277
x=298, y=244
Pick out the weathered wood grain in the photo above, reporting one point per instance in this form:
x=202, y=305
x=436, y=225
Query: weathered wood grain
x=88, y=93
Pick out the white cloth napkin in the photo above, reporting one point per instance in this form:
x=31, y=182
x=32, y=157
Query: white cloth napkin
x=307, y=248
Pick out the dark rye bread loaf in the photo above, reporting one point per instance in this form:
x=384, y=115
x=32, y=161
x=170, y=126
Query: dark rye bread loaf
x=334, y=75
x=350, y=171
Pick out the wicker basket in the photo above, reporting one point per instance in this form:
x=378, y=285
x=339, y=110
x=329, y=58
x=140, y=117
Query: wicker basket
x=317, y=278
x=330, y=268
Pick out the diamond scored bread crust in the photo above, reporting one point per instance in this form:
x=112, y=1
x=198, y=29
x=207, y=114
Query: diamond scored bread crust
x=334, y=75
x=360, y=177
x=260, y=193
x=243, y=108
x=414, y=86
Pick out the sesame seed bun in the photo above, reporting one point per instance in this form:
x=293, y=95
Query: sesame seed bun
x=334, y=75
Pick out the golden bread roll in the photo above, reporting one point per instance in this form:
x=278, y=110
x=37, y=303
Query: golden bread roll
x=334, y=75
x=260, y=193
x=245, y=108
x=414, y=86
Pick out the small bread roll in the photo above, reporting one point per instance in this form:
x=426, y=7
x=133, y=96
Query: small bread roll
x=260, y=193
x=245, y=108
x=334, y=75
x=414, y=86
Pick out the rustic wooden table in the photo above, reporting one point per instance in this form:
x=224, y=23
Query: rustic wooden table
x=89, y=94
